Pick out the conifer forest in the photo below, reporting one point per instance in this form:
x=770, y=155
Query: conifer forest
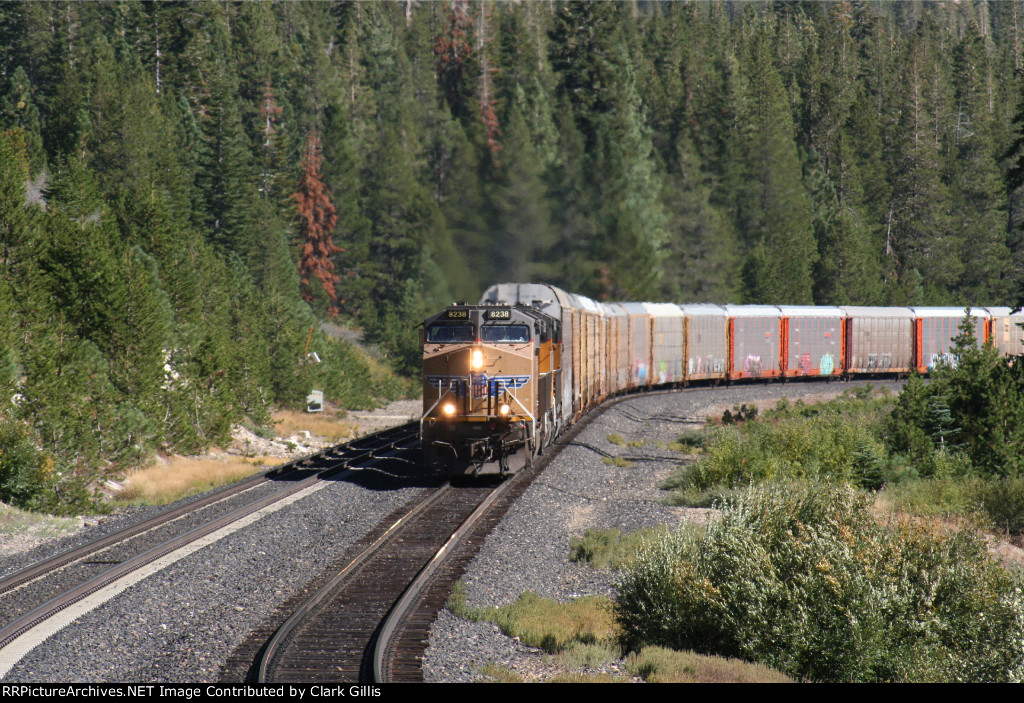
x=188, y=190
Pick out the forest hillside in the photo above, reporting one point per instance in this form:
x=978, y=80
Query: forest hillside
x=189, y=189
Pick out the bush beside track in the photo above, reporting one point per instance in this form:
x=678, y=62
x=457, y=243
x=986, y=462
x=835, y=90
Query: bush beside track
x=806, y=580
x=848, y=547
x=951, y=612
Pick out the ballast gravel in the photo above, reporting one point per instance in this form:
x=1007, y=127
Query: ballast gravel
x=530, y=548
x=183, y=623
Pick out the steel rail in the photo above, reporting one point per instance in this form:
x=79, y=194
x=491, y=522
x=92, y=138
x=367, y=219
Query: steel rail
x=277, y=642
x=391, y=438
x=395, y=618
x=53, y=563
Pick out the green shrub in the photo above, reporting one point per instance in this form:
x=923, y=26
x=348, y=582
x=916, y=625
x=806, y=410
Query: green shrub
x=974, y=407
x=605, y=549
x=691, y=441
x=826, y=446
x=1003, y=502
x=804, y=580
x=739, y=414
x=25, y=474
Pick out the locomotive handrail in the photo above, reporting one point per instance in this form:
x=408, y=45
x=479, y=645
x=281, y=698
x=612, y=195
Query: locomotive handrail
x=533, y=420
x=520, y=404
x=440, y=396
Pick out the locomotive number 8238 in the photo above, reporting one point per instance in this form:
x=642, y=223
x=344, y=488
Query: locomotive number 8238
x=490, y=375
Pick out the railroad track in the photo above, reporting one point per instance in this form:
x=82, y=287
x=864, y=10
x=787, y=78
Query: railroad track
x=330, y=636
x=370, y=622
x=75, y=581
x=388, y=650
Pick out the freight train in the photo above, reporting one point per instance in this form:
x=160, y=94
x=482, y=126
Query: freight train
x=502, y=378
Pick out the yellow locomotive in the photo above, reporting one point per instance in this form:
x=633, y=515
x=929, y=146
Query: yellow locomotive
x=491, y=376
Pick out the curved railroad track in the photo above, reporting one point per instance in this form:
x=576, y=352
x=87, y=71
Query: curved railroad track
x=67, y=582
x=371, y=620
x=388, y=649
x=329, y=637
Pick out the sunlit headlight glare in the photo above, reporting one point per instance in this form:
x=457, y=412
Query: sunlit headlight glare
x=504, y=409
x=449, y=409
x=478, y=358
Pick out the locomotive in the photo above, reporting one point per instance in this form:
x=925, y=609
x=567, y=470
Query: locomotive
x=505, y=376
x=491, y=375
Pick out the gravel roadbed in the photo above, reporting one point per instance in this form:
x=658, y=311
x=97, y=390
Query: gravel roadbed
x=181, y=624
x=529, y=550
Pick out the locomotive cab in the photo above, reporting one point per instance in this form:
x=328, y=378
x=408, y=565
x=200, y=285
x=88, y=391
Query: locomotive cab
x=487, y=387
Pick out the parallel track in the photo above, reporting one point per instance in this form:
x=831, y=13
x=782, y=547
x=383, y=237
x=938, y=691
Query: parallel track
x=329, y=463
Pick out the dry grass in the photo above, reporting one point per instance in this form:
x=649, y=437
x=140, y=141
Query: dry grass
x=501, y=674
x=168, y=481
x=610, y=549
x=580, y=677
x=1008, y=549
x=21, y=530
x=660, y=665
x=326, y=424
x=542, y=622
x=920, y=503
x=583, y=635
x=183, y=476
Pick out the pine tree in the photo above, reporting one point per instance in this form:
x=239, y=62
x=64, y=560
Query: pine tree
x=923, y=238
x=460, y=185
x=776, y=212
x=702, y=254
x=317, y=219
x=452, y=49
x=110, y=292
x=848, y=270
x=226, y=176
x=521, y=218
x=980, y=209
x=985, y=397
x=525, y=77
x=598, y=79
x=571, y=262
x=341, y=172
x=18, y=109
x=486, y=99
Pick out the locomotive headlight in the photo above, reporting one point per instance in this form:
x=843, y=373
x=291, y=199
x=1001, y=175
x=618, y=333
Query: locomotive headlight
x=504, y=409
x=477, y=359
x=449, y=409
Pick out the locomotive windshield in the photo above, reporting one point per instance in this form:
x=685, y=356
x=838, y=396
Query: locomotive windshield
x=507, y=334
x=450, y=334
